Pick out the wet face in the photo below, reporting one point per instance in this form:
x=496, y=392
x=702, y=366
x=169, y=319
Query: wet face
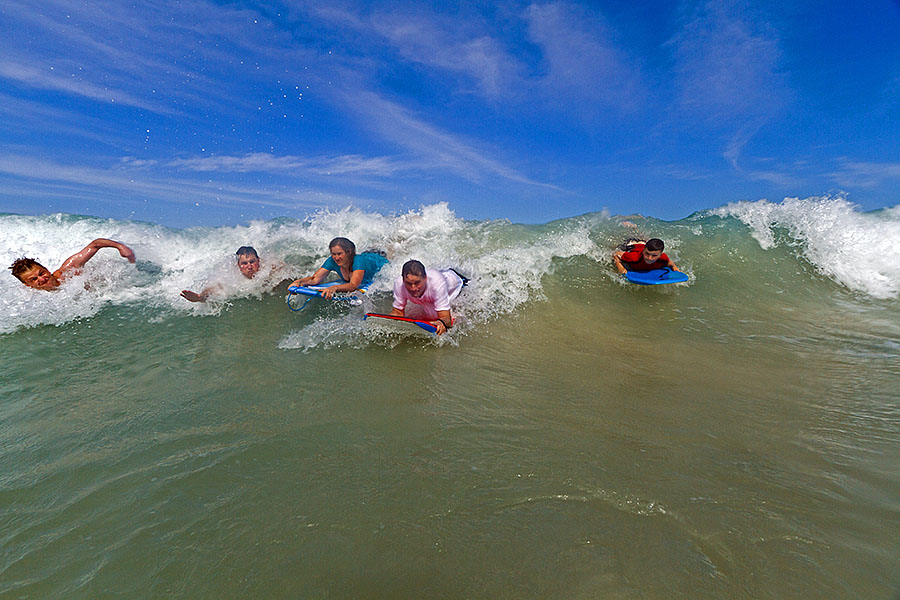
x=39, y=278
x=338, y=256
x=415, y=285
x=248, y=264
x=651, y=256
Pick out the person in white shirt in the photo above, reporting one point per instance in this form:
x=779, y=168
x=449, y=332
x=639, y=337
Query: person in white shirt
x=426, y=294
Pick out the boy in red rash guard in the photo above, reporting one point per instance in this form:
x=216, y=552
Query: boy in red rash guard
x=643, y=256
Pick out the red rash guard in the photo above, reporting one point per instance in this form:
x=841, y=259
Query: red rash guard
x=633, y=260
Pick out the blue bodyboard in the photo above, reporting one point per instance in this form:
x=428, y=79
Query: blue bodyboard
x=656, y=277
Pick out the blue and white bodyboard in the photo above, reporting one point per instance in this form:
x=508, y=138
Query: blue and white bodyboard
x=315, y=291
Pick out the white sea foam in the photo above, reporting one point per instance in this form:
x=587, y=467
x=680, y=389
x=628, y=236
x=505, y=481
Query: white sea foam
x=852, y=248
x=167, y=262
x=505, y=262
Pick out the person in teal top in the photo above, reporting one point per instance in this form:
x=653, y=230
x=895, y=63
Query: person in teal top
x=353, y=269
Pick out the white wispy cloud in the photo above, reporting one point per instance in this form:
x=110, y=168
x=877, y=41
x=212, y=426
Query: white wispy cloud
x=439, y=150
x=49, y=79
x=448, y=47
x=164, y=59
x=28, y=118
x=733, y=154
x=726, y=64
x=583, y=61
x=580, y=61
x=379, y=166
x=124, y=182
x=727, y=79
x=856, y=173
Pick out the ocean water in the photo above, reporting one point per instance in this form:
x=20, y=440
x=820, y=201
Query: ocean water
x=736, y=436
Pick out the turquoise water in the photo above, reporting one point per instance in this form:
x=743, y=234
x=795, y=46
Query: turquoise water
x=737, y=436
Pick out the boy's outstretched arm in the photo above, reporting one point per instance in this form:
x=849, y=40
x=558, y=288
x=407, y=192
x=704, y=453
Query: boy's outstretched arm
x=194, y=296
x=77, y=260
x=617, y=259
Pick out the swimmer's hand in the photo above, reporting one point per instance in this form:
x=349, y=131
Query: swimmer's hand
x=303, y=281
x=127, y=252
x=439, y=327
x=194, y=296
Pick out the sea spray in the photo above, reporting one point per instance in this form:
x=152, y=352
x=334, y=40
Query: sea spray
x=507, y=262
x=852, y=248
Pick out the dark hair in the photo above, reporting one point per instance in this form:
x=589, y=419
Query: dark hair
x=21, y=265
x=413, y=267
x=347, y=246
x=246, y=250
x=654, y=245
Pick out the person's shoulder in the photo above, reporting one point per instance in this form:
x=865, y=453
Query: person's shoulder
x=438, y=277
x=373, y=257
x=447, y=275
x=375, y=252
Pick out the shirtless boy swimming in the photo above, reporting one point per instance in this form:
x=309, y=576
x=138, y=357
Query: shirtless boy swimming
x=37, y=276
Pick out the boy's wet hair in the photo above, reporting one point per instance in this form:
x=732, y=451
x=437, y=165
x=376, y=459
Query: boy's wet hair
x=413, y=267
x=22, y=265
x=245, y=251
x=654, y=245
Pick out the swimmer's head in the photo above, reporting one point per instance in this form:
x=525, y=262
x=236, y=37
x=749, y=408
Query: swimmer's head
x=247, y=261
x=653, y=250
x=414, y=278
x=655, y=244
x=34, y=274
x=343, y=251
x=245, y=250
x=413, y=267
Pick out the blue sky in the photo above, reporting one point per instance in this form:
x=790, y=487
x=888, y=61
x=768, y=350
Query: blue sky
x=204, y=113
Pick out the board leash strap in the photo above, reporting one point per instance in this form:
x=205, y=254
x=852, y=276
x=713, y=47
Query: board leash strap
x=290, y=295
